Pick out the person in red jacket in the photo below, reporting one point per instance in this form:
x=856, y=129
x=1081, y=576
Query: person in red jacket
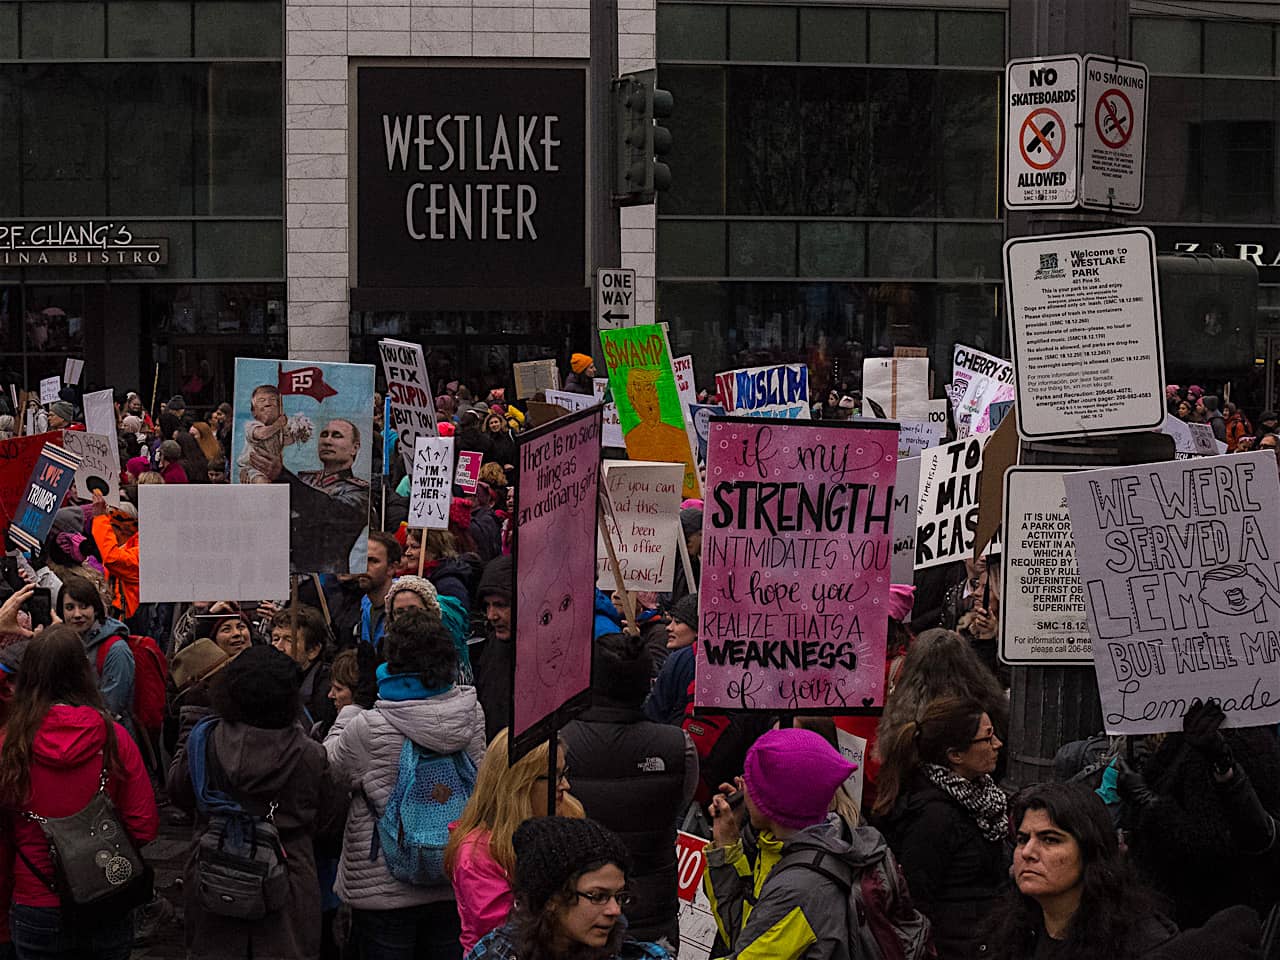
x=52, y=753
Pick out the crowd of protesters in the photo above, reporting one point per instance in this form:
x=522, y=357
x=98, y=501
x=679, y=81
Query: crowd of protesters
x=299, y=728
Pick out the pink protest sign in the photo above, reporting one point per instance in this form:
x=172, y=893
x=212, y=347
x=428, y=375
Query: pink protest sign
x=553, y=606
x=797, y=544
x=467, y=473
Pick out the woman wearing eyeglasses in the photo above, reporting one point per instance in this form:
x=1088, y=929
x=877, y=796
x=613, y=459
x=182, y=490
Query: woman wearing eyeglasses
x=946, y=820
x=570, y=897
x=480, y=858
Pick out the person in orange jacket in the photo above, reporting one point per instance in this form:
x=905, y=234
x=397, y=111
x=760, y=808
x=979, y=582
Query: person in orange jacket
x=116, y=534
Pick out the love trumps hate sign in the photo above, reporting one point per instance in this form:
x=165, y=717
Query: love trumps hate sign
x=1182, y=588
x=796, y=551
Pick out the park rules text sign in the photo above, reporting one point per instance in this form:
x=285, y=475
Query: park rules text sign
x=471, y=176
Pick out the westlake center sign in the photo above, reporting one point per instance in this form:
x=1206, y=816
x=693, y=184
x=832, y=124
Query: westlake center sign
x=471, y=176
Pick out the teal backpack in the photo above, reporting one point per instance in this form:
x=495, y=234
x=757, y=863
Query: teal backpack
x=430, y=793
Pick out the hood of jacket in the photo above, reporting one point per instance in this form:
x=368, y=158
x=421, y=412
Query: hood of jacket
x=69, y=736
x=101, y=631
x=455, y=567
x=860, y=847
x=258, y=760
x=444, y=723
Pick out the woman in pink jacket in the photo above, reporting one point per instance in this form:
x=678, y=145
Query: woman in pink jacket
x=480, y=859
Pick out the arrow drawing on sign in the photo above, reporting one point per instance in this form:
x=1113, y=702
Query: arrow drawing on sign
x=1041, y=138
x=610, y=316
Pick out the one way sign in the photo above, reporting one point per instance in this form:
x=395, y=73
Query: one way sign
x=615, y=298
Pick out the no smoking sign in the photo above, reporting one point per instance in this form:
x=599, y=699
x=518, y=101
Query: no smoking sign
x=1113, y=119
x=1113, y=145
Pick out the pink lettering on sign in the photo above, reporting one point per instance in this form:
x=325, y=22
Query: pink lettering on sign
x=797, y=544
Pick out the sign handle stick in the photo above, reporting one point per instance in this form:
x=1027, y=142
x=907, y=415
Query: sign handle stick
x=155, y=389
x=293, y=610
x=684, y=558
x=324, y=602
x=422, y=549
x=628, y=599
x=382, y=522
x=553, y=780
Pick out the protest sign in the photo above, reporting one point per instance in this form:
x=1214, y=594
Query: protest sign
x=947, y=502
x=100, y=412
x=1042, y=615
x=468, y=470
x=687, y=390
x=431, y=486
x=1000, y=451
x=1084, y=326
x=72, y=369
x=796, y=550
x=977, y=381
x=213, y=541
x=643, y=524
x=99, y=470
x=644, y=388
x=47, y=487
x=554, y=559
x=49, y=388
x=899, y=385
x=310, y=425
x=413, y=408
x=696, y=919
x=854, y=749
x=1182, y=588
x=905, y=489
x=997, y=412
x=534, y=375
x=701, y=414
x=1189, y=439
x=780, y=390
x=612, y=425
x=571, y=401
x=18, y=456
x=915, y=435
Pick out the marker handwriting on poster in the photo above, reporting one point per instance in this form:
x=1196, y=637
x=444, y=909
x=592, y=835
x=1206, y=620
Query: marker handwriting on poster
x=796, y=556
x=432, y=485
x=947, y=504
x=558, y=481
x=643, y=524
x=413, y=408
x=1182, y=587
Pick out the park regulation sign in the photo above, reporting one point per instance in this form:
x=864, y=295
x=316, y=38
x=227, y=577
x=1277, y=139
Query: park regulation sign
x=1114, y=134
x=1042, y=144
x=1084, y=328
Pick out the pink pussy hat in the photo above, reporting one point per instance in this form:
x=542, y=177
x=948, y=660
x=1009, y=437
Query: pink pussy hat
x=792, y=775
x=902, y=598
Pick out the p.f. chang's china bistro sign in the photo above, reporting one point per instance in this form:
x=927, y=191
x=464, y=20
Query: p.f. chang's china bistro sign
x=471, y=177
x=78, y=243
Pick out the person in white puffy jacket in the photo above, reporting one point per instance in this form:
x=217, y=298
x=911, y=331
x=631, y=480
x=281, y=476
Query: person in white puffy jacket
x=417, y=700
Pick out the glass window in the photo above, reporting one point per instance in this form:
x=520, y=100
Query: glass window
x=64, y=139
x=181, y=250
x=54, y=319
x=153, y=124
x=1238, y=48
x=688, y=31
x=237, y=28
x=762, y=249
x=904, y=144
x=249, y=248
x=902, y=36
x=900, y=250
x=11, y=319
x=8, y=30
x=968, y=124
x=969, y=250
x=1166, y=45
x=967, y=39
x=762, y=33
x=691, y=248
x=1174, y=128
x=239, y=148
x=10, y=124
x=833, y=250
x=1239, y=158
x=149, y=28
x=64, y=31
x=698, y=133
x=833, y=35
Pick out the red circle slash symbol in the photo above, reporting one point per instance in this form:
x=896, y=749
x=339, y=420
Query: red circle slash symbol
x=1042, y=139
x=1113, y=118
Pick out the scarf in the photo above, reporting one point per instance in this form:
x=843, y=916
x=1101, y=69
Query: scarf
x=405, y=686
x=981, y=799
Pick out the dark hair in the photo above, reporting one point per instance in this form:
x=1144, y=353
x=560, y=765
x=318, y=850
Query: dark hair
x=535, y=934
x=417, y=642
x=258, y=688
x=83, y=592
x=345, y=669
x=622, y=668
x=946, y=724
x=1113, y=902
x=389, y=542
x=54, y=670
x=311, y=625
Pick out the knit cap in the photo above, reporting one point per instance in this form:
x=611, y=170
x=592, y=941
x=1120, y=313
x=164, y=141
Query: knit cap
x=551, y=850
x=408, y=583
x=579, y=362
x=685, y=610
x=496, y=579
x=792, y=775
x=902, y=597
x=63, y=409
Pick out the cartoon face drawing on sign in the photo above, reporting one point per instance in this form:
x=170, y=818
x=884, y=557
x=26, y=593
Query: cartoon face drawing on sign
x=1232, y=590
x=554, y=621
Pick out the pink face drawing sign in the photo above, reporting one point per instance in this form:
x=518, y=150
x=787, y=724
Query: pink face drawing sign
x=797, y=544
x=468, y=473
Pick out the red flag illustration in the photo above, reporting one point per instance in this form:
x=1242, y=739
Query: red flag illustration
x=304, y=382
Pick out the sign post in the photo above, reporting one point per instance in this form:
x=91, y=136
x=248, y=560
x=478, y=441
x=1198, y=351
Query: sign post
x=615, y=298
x=1114, y=134
x=1042, y=148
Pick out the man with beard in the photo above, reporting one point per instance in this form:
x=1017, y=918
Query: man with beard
x=384, y=554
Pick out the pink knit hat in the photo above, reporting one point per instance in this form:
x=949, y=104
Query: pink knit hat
x=902, y=598
x=792, y=775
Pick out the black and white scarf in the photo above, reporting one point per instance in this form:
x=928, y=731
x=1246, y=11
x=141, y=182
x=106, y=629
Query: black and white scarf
x=980, y=798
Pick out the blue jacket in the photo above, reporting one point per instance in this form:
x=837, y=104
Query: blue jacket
x=116, y=680
x=670, y=694
x=607, y=619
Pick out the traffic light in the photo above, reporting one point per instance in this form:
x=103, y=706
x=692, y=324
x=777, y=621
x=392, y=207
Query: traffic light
x=639, y=140
x=1209, y=312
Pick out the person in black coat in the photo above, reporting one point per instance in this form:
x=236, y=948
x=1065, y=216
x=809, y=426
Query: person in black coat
x=946, y=820
x=494, y=663
x=502, y=449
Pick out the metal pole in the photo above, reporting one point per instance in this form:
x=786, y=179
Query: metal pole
x=606, y=230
